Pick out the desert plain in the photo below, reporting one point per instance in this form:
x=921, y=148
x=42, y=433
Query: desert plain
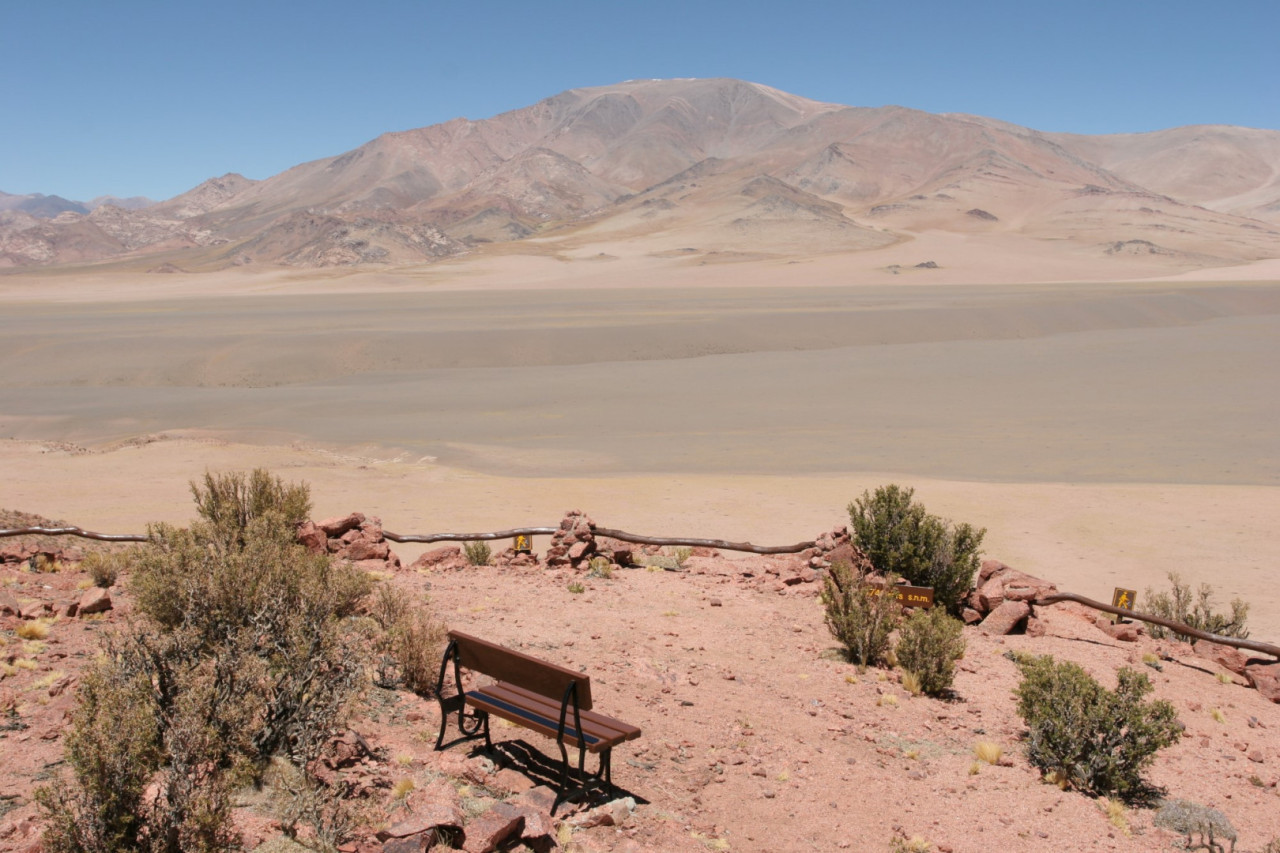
x=1103, y=432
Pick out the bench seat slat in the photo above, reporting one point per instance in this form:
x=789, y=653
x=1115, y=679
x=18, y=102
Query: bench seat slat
x=534, y=719
x=593, y=722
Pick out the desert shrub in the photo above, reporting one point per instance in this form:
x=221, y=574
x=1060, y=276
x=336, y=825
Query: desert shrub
x=858, y=615
x=929, y=645
x=1096, y=739
x=1179, y=605
x=416, y=642
x=1187, y=818
x=230, y=502
x=478, y=553
x=899, y=536
x=241, y=649
x=104, y=567
x=601, y=568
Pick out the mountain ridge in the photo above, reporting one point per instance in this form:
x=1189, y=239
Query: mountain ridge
x=662, y=162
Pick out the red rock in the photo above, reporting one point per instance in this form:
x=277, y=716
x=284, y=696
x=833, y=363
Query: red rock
x=579, y=550
x=1224, y=656
x=365, y=549
x=95, y=600
x=425, y=819
x=1255, y=755
x=990, y=595
x=36, y=609
x=8, y=604
x=989, y=568
x=1126, y=632
x=313, y=538
x=1265, y=678
x=337, y=526
x=412, y=844
x=613, y=813
x=512, y=781
x=1035, y=627
x=429, y=559
x=492, y=828
x=970, y=616
x=1005, y=618
x=540, y=798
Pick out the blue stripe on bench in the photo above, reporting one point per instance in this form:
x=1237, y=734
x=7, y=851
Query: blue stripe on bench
x=537, y=718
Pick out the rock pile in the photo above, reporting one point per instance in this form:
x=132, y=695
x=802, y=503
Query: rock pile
x=353, y=537
x=574, y=543
x=1001, y=600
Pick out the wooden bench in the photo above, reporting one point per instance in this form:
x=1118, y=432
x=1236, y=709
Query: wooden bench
x=549, y=699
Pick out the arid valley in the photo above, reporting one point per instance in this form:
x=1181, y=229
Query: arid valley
x=728, y=341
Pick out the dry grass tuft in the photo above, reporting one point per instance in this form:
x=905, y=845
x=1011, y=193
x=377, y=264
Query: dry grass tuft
x=1217, y=714
x=401, y=788
x=37, y=629
x=988, y=751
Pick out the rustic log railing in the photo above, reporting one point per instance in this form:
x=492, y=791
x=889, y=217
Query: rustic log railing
x=622, y=535
x=74, y=531
x=1186, y=630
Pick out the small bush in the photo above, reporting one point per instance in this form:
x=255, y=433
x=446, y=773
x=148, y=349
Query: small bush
x=1179, y=605
x=103, y=567
x=929, y=645
x=1097, y=739
x=478, y=553
x=416, y=643
x=576, y=588
x=858, y=615
x=1187, y=818
x=601, y=568
x=900, y=537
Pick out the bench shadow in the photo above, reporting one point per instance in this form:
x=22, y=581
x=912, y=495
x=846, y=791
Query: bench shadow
x=540, y=769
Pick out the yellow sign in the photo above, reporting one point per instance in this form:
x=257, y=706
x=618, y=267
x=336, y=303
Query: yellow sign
x=1124, y=599
x=524, y=544
x=911, y=596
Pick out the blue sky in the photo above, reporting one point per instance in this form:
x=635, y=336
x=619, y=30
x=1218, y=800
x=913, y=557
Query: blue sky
x=134, y=97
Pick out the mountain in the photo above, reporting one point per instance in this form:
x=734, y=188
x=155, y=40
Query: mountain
x=708, y=167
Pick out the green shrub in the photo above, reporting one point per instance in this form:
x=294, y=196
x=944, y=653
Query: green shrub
x=929, y=645
x=899, y=536
x=478, y=553
x=1179, y=605
x=858, y=615
x=241, y=649
x=1096, y=739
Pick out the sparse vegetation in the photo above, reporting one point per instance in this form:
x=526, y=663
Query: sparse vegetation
x=901, y=538
x=988, y=751
x=1194, y=611
x=477, y=553
x=1098, y=740
x=36, y=629
x=601, y=568
x=857, y=615
x=104, y=567
x=929, y=645
x=197, y=698
x=1187, y=818
x=576, y=588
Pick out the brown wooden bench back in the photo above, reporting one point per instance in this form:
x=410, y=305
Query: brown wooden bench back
x=520, y=669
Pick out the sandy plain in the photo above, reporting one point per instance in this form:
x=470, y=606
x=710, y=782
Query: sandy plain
x=1104, y=433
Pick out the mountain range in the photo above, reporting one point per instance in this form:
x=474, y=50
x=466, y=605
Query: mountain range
x=697, y=167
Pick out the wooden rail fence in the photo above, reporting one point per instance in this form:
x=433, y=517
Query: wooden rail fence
x=622, y=535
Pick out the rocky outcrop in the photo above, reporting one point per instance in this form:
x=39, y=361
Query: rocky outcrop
x=1002, y=598
x=356, y=538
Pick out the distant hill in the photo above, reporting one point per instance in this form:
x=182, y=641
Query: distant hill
x=723, y=165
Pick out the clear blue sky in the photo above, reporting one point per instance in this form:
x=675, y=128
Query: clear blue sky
x=138, y=97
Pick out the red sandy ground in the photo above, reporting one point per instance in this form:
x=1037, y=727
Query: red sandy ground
x=757, y=736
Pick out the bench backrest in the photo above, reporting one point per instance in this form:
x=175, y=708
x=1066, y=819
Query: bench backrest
x=520, y=669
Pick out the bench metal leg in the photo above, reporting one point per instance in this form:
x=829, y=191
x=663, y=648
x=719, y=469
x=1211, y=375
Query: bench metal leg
x=602, y=778
x=471, y=724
